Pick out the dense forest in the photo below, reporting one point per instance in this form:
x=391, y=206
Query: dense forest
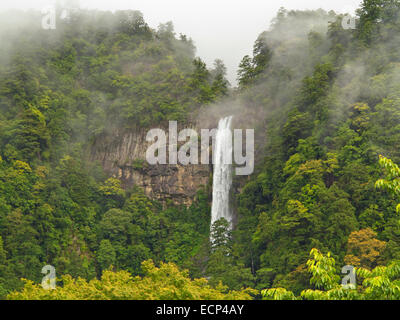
x=324, y=193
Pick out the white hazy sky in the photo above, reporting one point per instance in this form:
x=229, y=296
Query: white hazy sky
x=224, y=29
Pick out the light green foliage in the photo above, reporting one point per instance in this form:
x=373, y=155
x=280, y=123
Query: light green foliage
x=322, y=269
x=382, y=283
x=324, y=102
x=278, y=294
x=164, y=283
x=392, y=180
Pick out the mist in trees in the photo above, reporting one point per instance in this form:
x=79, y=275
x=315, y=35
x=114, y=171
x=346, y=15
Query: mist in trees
x=325, y=105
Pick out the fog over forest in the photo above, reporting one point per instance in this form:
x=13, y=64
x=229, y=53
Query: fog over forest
x=223, y=29
x=103, y=108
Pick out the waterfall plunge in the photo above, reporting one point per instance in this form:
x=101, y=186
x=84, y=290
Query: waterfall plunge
x=222, y=177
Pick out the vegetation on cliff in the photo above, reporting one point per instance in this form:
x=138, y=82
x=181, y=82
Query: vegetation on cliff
x=331, y=102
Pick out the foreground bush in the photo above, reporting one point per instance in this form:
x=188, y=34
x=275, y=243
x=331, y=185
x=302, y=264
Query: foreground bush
x=164, y=283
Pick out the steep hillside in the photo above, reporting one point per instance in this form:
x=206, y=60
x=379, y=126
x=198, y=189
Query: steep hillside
x=76, y=193
x=75, y=104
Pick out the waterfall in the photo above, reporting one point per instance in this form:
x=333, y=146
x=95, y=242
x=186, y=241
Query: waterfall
x=222, y=176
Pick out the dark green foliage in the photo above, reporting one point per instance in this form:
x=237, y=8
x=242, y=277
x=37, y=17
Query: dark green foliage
x=315, y=181
x=59, y=91
x=251, y=69
x=222, y=265
x=331, y=105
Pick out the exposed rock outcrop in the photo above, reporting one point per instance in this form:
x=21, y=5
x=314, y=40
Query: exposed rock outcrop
x=123, y=155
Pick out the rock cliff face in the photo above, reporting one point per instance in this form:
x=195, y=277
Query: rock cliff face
x=123, y=156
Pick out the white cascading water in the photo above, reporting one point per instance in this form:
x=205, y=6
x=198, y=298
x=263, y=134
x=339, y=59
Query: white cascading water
x=222, y=176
